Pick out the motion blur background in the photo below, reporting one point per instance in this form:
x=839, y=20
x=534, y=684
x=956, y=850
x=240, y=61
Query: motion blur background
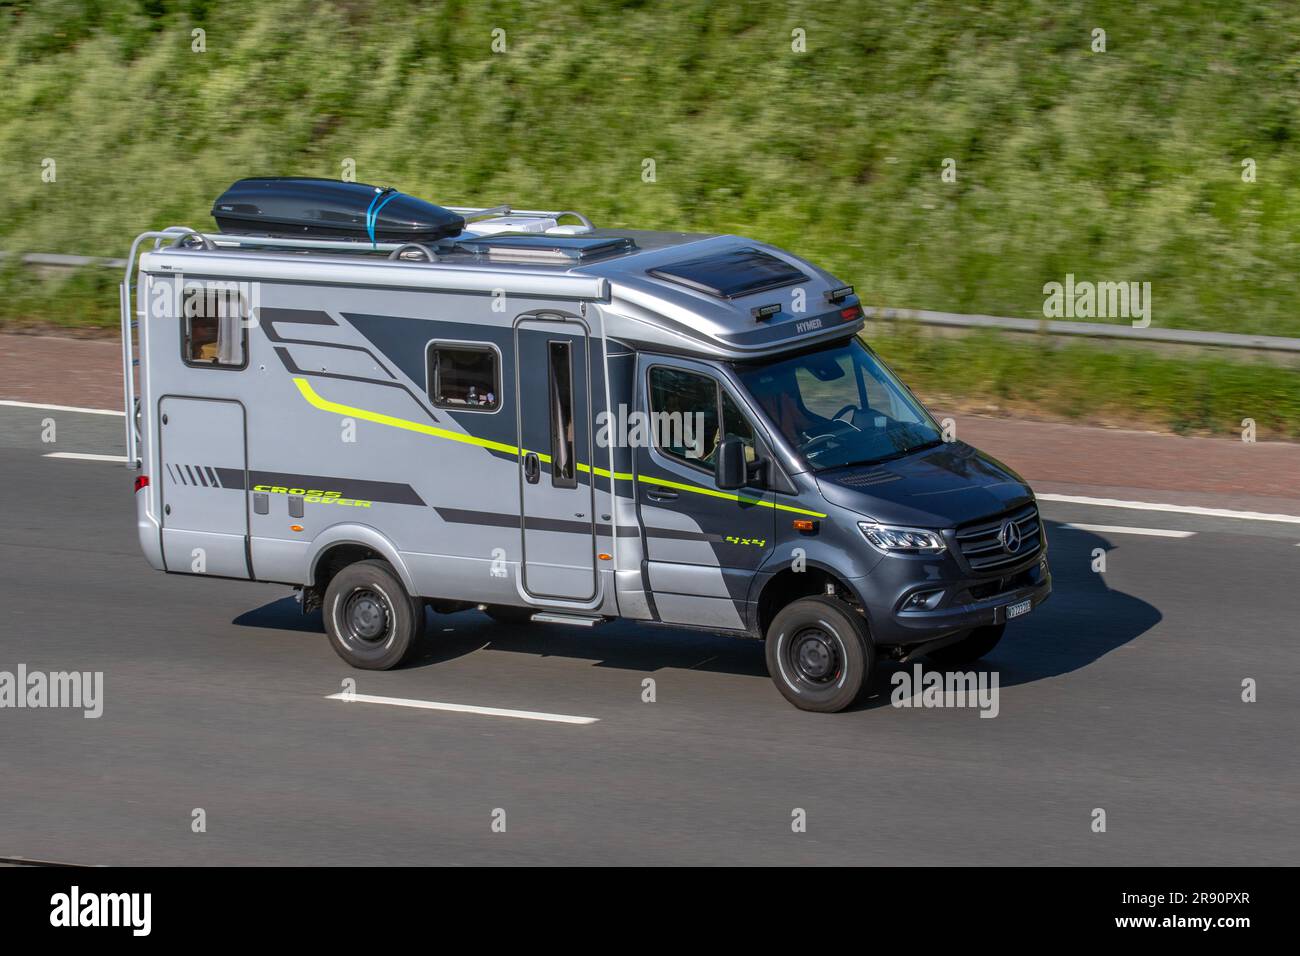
x=1115, y=166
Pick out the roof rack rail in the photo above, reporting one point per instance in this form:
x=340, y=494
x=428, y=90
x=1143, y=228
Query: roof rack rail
x=221, y=240
x=529, y=247
x=473, y=213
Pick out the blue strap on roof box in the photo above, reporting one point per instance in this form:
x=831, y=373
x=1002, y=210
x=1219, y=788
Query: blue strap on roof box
x=330, y=209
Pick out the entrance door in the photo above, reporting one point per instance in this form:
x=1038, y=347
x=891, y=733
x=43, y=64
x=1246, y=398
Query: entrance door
x=556, y=498
x=204, y=474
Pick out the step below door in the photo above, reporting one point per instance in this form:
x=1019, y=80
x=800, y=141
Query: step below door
x=204, y=477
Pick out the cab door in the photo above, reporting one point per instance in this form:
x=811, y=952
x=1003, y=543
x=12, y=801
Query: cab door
x=557, y=502
x=703, y=544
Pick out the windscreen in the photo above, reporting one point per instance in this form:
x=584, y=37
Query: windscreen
x=840, y=406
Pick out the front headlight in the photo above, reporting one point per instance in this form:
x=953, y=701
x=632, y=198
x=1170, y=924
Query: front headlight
x=892, y=540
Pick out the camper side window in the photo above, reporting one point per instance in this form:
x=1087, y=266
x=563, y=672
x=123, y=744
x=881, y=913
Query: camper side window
x=464, y=377
x=214, y=334
x=561, y=389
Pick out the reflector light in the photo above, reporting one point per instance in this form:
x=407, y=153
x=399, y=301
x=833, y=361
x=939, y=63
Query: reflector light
x=141, y=481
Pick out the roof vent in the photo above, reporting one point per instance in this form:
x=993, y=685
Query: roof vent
x=732, y=274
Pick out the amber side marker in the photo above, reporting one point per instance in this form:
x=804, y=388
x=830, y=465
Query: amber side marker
x=803, y=524
x=295, y=527
x=605, y=557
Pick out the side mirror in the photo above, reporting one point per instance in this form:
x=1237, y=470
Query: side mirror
x=731, y=470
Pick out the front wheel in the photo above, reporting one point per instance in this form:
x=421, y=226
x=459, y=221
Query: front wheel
x=371, y=621
x=977, y=643
x=819, y=654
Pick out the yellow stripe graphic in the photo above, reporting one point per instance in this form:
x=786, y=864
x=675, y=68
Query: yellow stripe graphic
x=335, y=408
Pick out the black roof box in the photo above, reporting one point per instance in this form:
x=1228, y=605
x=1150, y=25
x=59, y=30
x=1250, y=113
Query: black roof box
x=330, y=209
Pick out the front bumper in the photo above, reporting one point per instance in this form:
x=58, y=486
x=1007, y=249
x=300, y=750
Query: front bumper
x=967, y=603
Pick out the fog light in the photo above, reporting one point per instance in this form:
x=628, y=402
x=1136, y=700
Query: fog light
x=923, y=601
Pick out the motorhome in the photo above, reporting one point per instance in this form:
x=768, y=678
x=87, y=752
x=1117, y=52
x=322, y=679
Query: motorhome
x=390, y=406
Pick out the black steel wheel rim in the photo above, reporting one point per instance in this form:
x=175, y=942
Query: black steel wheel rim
x=814, y=656
x=367, y=616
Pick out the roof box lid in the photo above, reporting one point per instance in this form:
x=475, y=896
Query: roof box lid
x=330, y=209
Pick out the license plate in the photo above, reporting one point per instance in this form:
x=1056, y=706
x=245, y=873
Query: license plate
x=1015, y=610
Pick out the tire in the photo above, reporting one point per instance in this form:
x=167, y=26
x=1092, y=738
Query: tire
x=976, y=644
x=508, y=614
x=372, y=622
x=819, y=654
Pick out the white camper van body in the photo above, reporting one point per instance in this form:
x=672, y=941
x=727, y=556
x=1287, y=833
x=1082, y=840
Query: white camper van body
x=456, y=415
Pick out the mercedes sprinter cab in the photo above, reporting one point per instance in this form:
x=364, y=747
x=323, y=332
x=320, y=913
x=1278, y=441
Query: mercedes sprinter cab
x=395, y=405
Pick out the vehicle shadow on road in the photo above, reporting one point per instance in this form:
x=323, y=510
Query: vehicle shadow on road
x=618, y=644
x=284, y=614
x=1083, y=620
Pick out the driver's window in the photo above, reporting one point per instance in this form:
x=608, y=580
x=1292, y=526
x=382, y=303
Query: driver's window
x=684, y=407
x=684, y=410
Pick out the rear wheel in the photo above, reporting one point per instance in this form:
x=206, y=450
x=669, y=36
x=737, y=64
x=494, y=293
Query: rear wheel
x=819, y=654
x=972, y=647
x=372, y=622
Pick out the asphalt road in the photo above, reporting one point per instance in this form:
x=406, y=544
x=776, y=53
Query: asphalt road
x=1123, y=693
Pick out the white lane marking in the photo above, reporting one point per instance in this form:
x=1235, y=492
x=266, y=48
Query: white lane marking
x=63, y=408
x=1176, y=509
x=462, y=708
x=84, y=456
x=1120, y=529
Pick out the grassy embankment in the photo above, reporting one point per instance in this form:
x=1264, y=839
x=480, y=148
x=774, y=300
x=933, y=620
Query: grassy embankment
x=1115, y=166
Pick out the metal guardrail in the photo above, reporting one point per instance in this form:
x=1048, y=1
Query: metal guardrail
x=62, y=261
x=1095, y=330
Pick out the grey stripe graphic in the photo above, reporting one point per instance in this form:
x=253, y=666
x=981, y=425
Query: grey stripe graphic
x=361, y=489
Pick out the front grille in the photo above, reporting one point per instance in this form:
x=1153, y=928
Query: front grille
x=981, y=543
x=991, y=588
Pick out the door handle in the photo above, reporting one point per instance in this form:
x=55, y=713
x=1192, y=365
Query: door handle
x=660, y=494
x=532, y=467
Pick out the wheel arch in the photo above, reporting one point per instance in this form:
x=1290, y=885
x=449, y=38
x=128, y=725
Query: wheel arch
x=789, y=585
x=354, y=543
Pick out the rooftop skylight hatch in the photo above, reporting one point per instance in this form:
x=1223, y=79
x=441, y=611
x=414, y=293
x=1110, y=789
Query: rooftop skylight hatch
x=732, y=274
